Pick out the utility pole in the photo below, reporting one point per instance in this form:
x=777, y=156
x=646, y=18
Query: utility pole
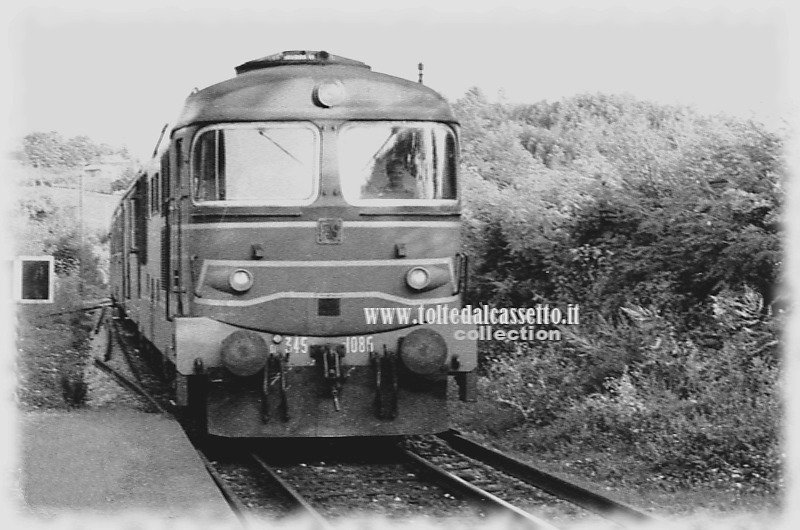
x=89, y=170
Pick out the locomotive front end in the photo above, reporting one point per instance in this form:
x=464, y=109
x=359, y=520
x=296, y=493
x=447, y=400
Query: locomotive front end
x=318, y=234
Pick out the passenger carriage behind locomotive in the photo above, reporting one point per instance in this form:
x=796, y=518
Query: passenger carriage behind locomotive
x=248, y=252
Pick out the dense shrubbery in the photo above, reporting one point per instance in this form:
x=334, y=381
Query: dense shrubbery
x=664, y=226
x=41, y=227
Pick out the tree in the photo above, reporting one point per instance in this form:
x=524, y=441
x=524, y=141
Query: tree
x=128, y=176
x=43, y=150
x=50, y=150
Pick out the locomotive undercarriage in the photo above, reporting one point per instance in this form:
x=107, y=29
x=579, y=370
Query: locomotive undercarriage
x=327, y=396
x=327, y=399
x=282, y=401
x=259, y=384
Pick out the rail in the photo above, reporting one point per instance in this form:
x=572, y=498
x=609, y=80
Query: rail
x=583, y=497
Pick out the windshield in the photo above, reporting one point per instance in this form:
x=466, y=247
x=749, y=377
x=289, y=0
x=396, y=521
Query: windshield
x=256, y=163
x=383, y=163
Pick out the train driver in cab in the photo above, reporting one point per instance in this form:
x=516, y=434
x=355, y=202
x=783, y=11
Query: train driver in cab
x=399, y=181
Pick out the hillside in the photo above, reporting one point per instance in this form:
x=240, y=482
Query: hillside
x=97, y=207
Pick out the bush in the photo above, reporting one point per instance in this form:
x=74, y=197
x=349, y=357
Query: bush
x=664, y=226
x=688, y=413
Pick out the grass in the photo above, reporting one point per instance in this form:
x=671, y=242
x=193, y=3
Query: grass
x=52, y=352
x=623, y=475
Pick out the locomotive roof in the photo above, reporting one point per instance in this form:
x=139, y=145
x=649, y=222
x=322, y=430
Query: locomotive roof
x=283, y=87
x=297, y=57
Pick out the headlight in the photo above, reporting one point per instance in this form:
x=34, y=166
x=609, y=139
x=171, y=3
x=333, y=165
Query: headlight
x=329, y=94
x=418, y=278
x=240, y=280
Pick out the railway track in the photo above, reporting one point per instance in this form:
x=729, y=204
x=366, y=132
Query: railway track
x=403, y=483
x=119, y=362
x=298, y=501
x=359, y=477
x=557, y=486
x=534, y=490
x=493, y=503
x=448, y=477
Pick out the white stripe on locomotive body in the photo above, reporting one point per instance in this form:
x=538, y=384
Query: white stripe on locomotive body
x=313, y=224
x=328, y=263
x=202, y=300
x=313, y=295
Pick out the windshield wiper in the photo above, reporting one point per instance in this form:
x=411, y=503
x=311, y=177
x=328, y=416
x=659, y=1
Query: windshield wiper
x=279, y=146
x=382, y=150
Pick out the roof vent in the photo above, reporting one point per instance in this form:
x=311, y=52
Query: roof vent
x=294, y=57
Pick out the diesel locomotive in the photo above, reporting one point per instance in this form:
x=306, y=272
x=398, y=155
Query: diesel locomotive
x=279, y=249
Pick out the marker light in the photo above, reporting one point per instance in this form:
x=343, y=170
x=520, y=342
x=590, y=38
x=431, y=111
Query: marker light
x=329, y=93
x=240, y=280
x=418, y=278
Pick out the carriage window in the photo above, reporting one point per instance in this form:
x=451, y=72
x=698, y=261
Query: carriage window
x=256, y=163
x=155, y=190
x=386, y=162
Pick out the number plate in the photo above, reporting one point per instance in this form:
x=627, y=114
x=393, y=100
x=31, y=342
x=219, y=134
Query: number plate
x=329, y=231
x=302, y=345
x=359, y=344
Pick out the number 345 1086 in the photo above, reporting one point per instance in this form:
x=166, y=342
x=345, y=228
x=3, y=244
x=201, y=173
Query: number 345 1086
x=356, y=344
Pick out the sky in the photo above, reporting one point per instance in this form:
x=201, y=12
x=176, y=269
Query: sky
x=117, y=72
